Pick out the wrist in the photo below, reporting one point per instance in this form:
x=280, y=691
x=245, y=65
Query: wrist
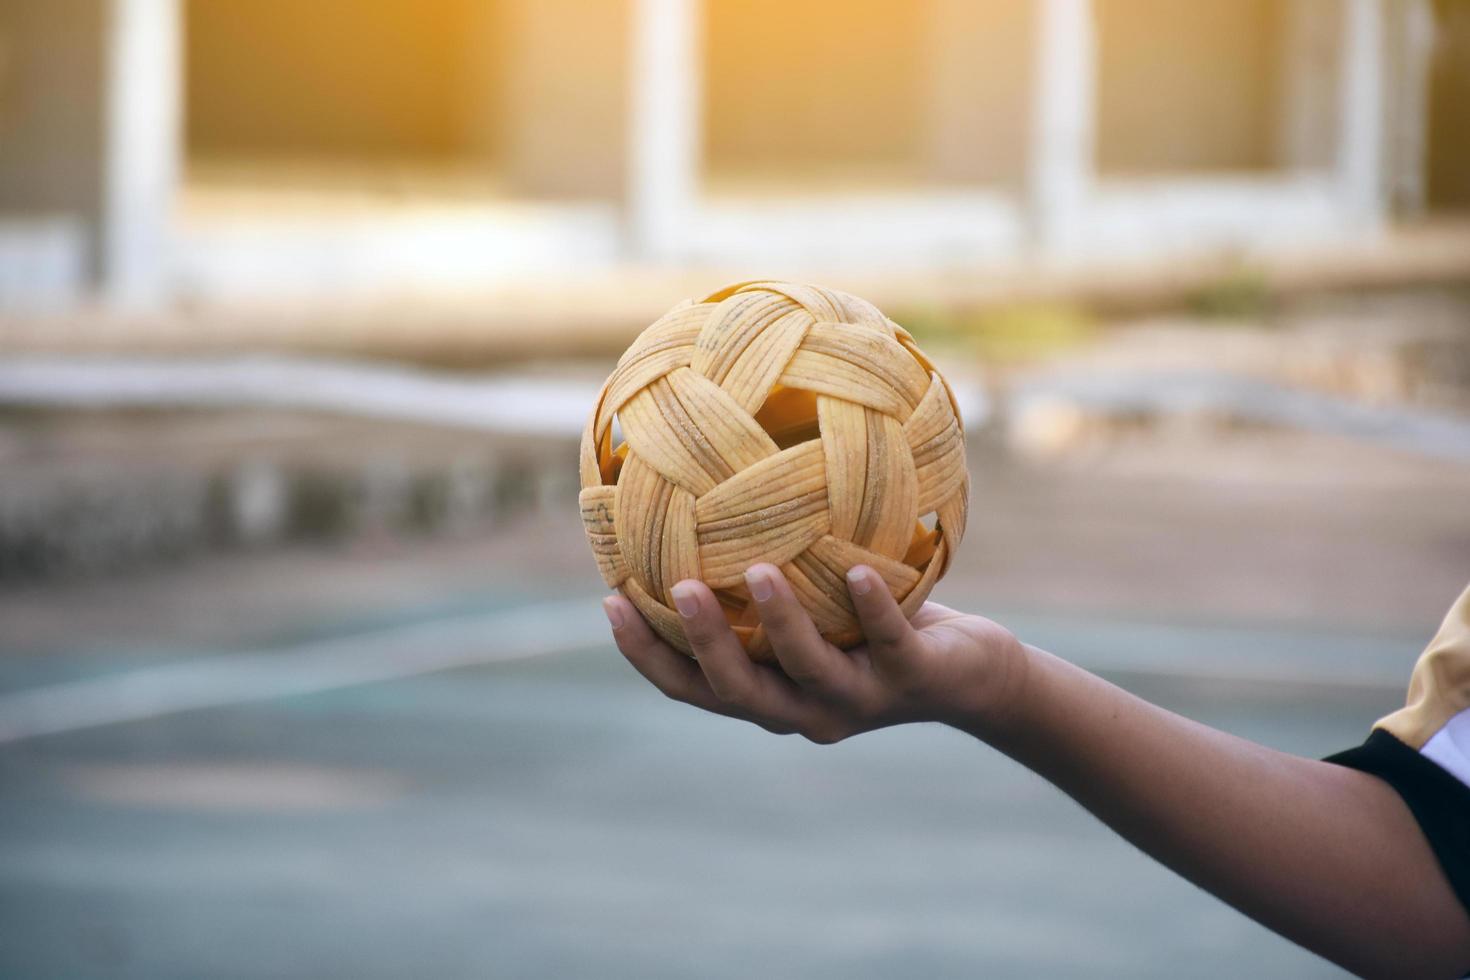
x=988, y=700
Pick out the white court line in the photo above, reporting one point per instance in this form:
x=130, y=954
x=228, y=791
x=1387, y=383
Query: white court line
x=398, y=652
x=307, y=668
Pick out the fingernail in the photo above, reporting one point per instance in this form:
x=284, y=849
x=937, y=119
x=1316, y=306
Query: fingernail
x=759, y=583
x=614, y=612
x=859, y=580
x=685, y=600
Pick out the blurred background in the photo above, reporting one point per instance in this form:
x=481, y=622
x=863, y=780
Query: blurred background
x=302, y=306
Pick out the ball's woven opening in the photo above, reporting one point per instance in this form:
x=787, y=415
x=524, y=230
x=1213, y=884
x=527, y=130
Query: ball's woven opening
x=773, y=422
x=789, y=416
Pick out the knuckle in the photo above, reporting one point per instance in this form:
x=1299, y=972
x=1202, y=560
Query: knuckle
x=869, y=702
x=823, y=734
x=889, y=633
x=806, y=674
x=699, y=633
x=778, y=619
x=827, y=680
x=736, y=694
x=671, y=690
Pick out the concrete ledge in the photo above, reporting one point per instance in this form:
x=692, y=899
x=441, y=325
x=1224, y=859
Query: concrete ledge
x=89, y=493
x=599, y=313
x=43, y=264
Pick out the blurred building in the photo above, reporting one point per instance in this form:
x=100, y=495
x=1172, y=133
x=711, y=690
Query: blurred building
x=157, y=150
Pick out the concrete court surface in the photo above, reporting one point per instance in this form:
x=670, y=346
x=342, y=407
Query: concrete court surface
x=554, y=817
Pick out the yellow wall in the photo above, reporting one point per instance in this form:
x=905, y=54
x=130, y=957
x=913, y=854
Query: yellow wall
x=979, y=72
x=921, y=90
x=348, y=77
x=565, y=79
x=1187, y=85
x=793, y=83
x=1449, y=137
x=51, y=118
x=533, y=89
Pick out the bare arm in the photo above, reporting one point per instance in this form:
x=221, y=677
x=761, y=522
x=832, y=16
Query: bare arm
x=1327, y=856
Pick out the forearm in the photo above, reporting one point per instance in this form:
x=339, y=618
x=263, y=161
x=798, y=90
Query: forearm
x=1327, y=856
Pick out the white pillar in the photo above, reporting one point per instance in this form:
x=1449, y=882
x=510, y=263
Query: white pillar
x=1360, y=127
x=1410, y=54
x=1060, y=170
x=1310, y=51
x=664, y=119
x=142, y=147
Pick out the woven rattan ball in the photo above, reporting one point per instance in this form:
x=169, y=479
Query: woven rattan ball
x=773, y=422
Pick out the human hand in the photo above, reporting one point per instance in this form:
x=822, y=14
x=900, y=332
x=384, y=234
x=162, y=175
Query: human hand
x=943, y=666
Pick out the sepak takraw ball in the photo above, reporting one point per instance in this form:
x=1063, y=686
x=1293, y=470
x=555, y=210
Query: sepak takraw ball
x=773, y=422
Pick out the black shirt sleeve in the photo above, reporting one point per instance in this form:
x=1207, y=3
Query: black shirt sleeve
x=1439, y=801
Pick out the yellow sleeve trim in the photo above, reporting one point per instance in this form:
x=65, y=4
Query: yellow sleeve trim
x=1440, y=686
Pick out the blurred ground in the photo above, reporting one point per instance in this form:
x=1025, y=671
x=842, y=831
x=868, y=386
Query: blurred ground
x=556, y=817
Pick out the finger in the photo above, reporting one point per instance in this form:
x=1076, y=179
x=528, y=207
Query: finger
x=754, y=691
x=667, y=669
x=810, y=661
x=891, y=639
